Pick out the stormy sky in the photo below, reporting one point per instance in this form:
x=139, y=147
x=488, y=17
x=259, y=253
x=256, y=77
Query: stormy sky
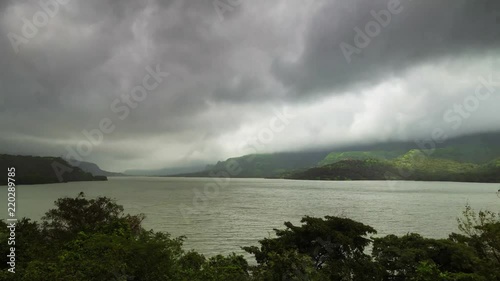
x=160, y=83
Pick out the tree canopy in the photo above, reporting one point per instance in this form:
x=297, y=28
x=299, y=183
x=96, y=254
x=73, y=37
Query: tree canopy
x=93, y=239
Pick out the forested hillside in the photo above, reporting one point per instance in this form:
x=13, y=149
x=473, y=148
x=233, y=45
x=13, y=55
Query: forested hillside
x=414, y=165
x=39, y=170
x=262, y=165
x=464, y=158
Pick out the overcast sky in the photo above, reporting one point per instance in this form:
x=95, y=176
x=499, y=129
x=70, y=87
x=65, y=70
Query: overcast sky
x=336, y=72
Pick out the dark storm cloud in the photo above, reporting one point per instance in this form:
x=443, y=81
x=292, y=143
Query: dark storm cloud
x=229, y=75
x=420, y=31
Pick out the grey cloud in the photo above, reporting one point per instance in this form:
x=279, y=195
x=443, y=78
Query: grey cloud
x=421, y=32
x=226, y=77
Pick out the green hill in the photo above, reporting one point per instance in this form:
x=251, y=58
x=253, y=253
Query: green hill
x=479, y=154
x=414, y=165
x=478, y=149
x=463, y=157
x=40, y=170
x=262, y=165
x=334, y=157
x=368, y=169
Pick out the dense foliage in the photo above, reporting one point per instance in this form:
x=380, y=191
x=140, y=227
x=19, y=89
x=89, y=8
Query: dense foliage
x=478, y=153
x=92, y=239
x=40, y=170
x=335, y=157
x=413, y=165
x=369, y=169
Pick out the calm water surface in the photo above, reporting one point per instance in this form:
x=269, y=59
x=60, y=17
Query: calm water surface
x=247, y=210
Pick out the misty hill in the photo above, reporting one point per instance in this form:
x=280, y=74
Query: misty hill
x=163, y=172
x=414, y=165
x=40, y=170
x=474, y=149
x=95, y=170
x=471, y=153
x=335, y=157
x=262, y=165
x=478, y=148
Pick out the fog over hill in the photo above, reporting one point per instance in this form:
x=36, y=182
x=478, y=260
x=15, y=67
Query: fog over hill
x=95, y=170
x=456, y=154
x=150, y=84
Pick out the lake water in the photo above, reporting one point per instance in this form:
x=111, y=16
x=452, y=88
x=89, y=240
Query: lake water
x=242, y=211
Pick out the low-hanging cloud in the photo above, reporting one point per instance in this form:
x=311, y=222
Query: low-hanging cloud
x=227, y=78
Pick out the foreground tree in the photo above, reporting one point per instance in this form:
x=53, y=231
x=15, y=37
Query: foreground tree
x=331, y=248
x=481, y=233
x=93, y=239
x=413, y=257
